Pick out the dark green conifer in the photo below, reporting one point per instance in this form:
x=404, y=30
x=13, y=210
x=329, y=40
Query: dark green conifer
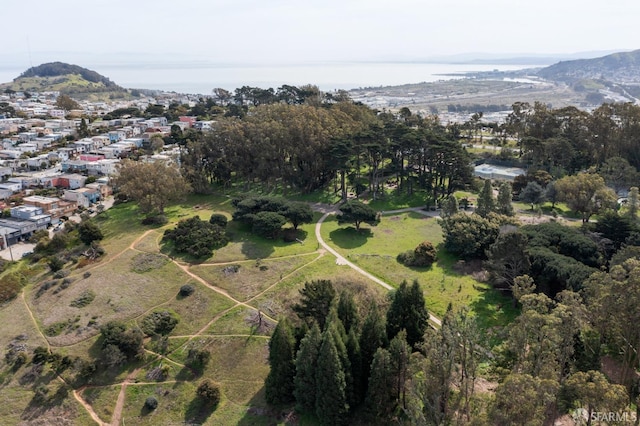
x=306, y=365
x=279, y=382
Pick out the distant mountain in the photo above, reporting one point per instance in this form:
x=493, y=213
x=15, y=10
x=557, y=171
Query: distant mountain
x=620, y=68
x=72, y=80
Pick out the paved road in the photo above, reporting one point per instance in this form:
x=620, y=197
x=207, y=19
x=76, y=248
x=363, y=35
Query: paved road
x=340, y=260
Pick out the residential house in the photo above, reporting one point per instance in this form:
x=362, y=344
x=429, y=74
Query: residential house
x=51, y=205
x=70, y=181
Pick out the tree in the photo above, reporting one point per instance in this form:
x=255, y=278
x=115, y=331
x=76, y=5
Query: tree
x=196, y=237
x=503, y=203
x=83, y=129
x=372, y=337
x=152, y=185
x=533, y=194
x=331, y=398
x=209, y=392
x=523, y=400
x=618, y=173
x=268, y=224
x=357, y=212
x=408, y=312
x=486, y=201
x=507, y=258
x=449, y=206
x=298, y=213
x=316, y=298
x=89, y=232
x=585, y=193
x=347, y=310
x=469, y=236
x=381, y=397
x=592, y=390
x=66, y=103
x=279, y=383
x=306, y=366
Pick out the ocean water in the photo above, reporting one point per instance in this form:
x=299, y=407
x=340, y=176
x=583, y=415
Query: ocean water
x=202, y=78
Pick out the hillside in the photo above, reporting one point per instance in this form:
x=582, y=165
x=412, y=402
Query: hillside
x=72, y=80
x=621, y=68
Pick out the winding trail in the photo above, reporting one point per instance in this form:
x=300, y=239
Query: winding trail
x=340, y=260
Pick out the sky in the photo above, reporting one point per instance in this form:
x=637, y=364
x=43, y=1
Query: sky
x=304, y=31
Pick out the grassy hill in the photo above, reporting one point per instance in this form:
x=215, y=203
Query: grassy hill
x=137, y=276
x=72, y=80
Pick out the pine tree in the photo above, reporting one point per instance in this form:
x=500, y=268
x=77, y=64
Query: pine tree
x=279, y=382
x=316, y=298
x=373, y=336
x=380, y=393
x=504, y=205
x=486, y=202
x=336, y=329
x=331, y=399
x=347, y=310
x=449, y=206
x=400, y=353
x=408, y=311
x=306, y=365
x=355, y=359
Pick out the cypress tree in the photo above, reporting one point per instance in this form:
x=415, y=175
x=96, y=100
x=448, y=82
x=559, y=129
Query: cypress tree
x=400, y=353
x=449, y=206
x=486, y=202
x=373, y=336
x=279, y=382
x=408, y=311
x=504, y=205
x=331, y=399
x=380, y=393
x=347, y=310
x=316, y=298
x=306, y=365
x=355, y=359
x=336, y=329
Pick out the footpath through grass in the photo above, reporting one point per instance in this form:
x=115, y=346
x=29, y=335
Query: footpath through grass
x=447, y=281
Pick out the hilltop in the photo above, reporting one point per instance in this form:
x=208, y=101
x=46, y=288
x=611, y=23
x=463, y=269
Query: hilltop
x=72, y=80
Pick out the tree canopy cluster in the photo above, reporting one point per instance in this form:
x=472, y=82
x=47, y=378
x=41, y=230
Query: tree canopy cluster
x=266, y=215
x=196, y=237
x=339, y=355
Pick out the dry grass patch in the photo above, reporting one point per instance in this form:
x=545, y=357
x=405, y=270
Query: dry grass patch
x=241, y=320
x=145, y=262
x=102, y=399
x=123, y=296
x=247, y=279
x=16, y=321
x=150, y=242
x=198, y=309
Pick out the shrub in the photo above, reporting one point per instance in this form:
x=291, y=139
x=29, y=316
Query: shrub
x=89, y=232
x=83, y=300
x=10, y=286
x=158, y=219
x=159, y=322
x=55, y=263
x=209, y=392
x=61, y=274
x=197, y=359
x=218, y=219
x=421, y=256
x=151, y=403
x=187, y=290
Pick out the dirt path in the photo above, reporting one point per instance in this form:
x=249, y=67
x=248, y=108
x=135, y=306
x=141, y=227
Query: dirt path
x=340, y=260
x=87, y=407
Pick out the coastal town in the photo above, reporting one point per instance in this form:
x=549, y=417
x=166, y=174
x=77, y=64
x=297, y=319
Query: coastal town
x=48, y=173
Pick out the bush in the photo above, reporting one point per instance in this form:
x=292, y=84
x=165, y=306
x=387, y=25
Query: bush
x=83, y=300
x=209, y=392
x=151, y=403
x=55, y=263
x=159, y=322
x=197, y=359
x=10, y=286
x=422, y=256
x=89, y=232
x=61, y=274
x=158, y=219
x=218, y=219
x=187, y=290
